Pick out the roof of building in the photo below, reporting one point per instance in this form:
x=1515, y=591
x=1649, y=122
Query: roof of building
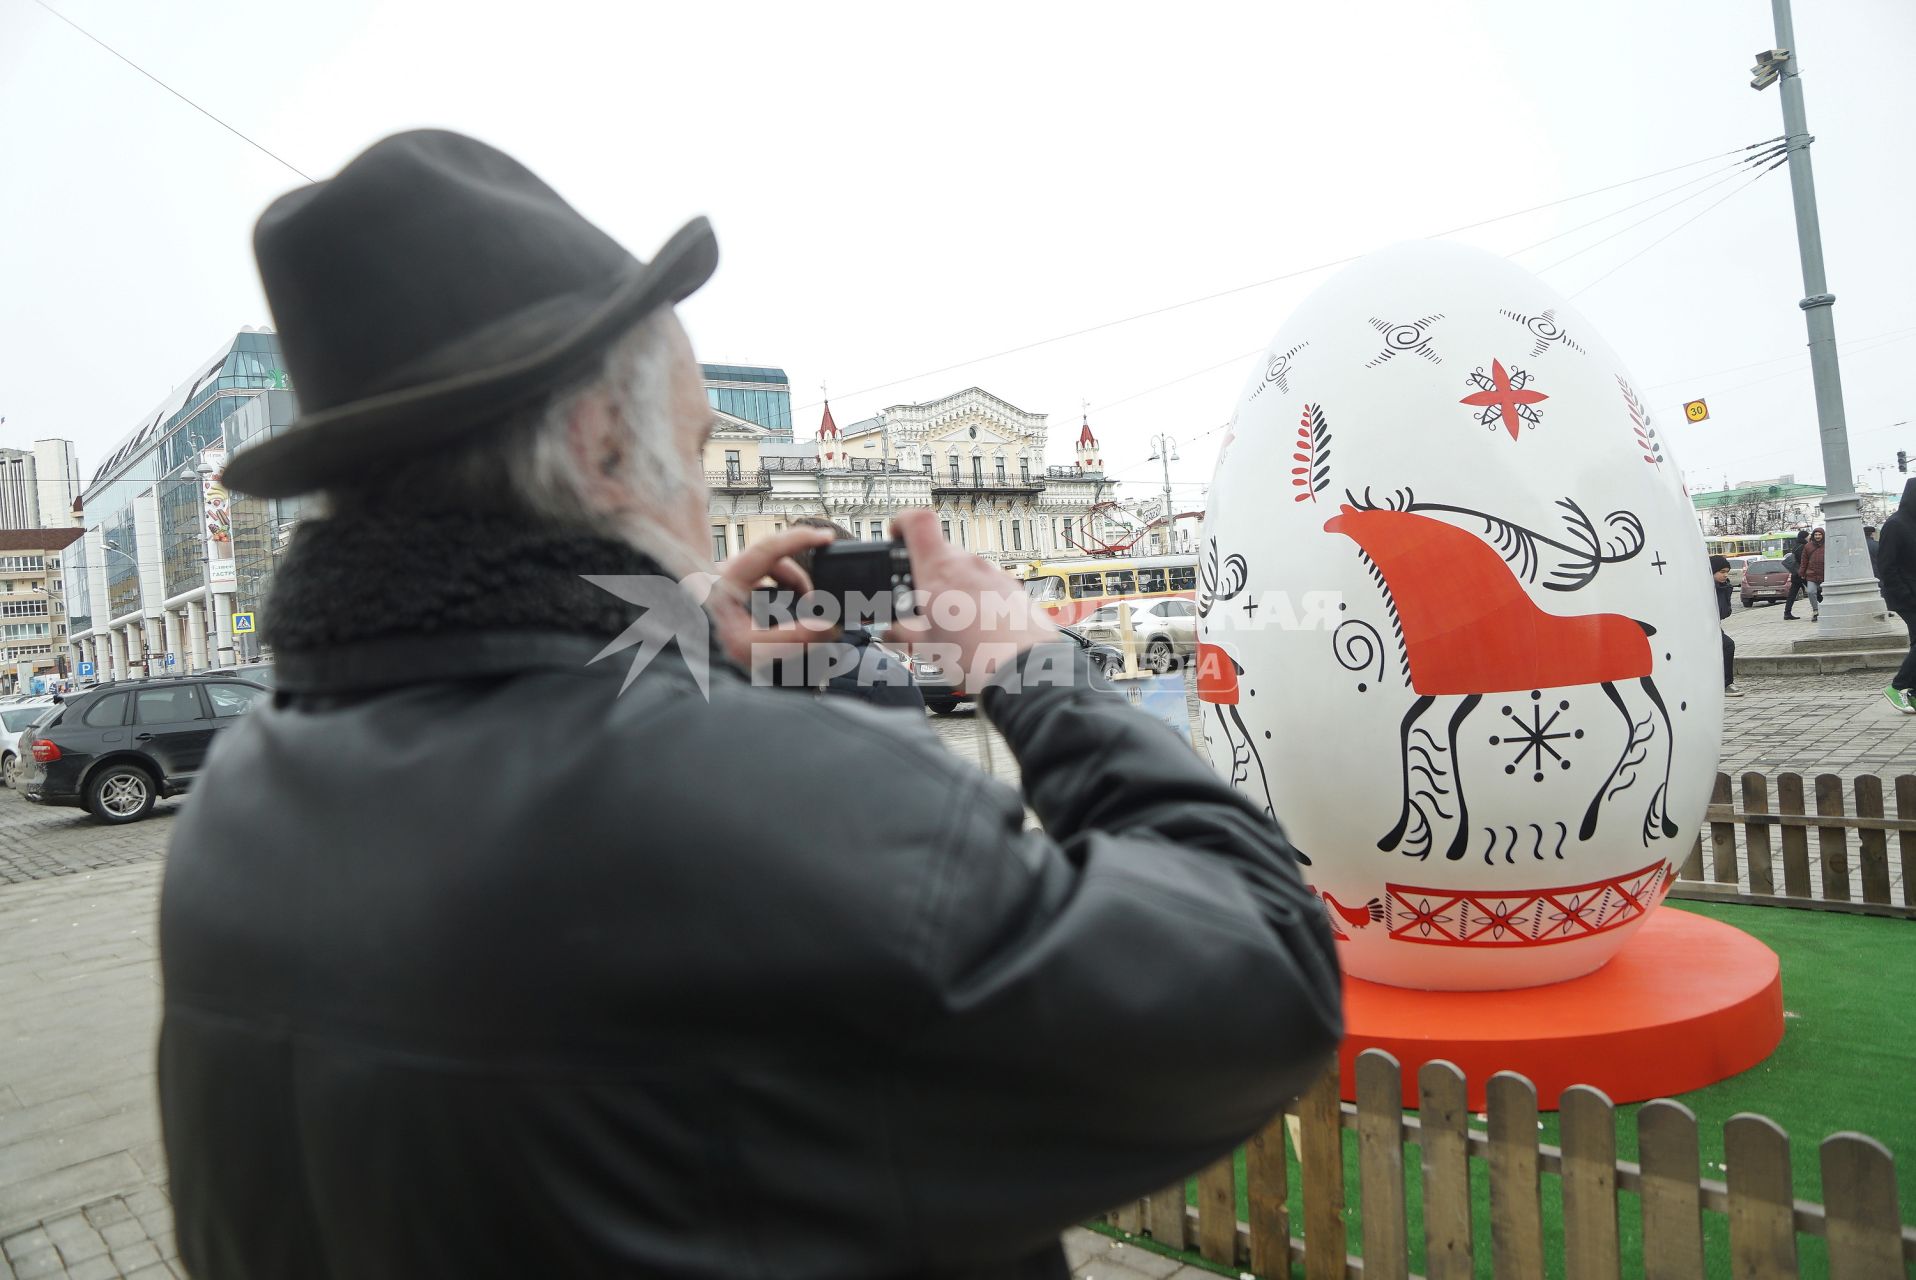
x=1755, y=493
x=39, y=539
x=760, y=373
x=1085, y=436
x=826, y=427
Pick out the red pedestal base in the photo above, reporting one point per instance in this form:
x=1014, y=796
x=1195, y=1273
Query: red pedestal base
x=1687, y=1002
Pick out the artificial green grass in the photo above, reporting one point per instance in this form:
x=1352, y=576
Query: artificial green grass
x=1847, y=1061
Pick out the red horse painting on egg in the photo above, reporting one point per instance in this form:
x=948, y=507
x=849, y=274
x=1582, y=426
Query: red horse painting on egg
x=1467, y=629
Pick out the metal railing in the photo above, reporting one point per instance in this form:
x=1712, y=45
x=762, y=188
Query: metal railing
x=993, y=484
x=738, y=480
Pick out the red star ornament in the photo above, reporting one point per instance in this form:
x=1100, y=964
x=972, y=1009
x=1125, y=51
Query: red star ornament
x=1504, y=396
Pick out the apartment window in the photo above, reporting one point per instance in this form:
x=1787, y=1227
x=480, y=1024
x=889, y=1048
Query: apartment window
x=978, y=472
x=954, y=468
x=1000, y=470
x=1017, y=537
x=944, y=527
x=718, y=542
x=878, y=531
x=1024, y=470
x=858, y=528
x=1002, y=544
x=741, y=538
x=1067, y=532
x=731, y=464
x=964, y=535
x=926, y=459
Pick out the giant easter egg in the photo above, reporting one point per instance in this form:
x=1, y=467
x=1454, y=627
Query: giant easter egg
x=1459, y=635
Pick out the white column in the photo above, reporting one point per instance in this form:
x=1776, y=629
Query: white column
x=170, y=620
x=196, y=635
x=223, y=635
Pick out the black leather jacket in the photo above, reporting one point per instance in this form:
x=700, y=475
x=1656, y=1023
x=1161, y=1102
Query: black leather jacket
x=500, y=973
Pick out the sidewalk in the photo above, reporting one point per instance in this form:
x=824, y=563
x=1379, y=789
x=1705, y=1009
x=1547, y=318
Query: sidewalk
x=1764, y=641
x=82, y=1174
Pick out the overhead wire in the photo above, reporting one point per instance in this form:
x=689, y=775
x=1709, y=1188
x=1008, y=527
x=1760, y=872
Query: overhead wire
x=251, y=142
x=1156, y=311
x=1739, y=167
x=1731, y=195
x=1737, y=171
x=1270, y=280
x=1730, y=169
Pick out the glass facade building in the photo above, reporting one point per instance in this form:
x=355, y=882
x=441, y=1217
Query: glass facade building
x=753, y=392
x=144, y=510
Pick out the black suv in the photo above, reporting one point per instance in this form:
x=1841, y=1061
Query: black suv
x=118, y=748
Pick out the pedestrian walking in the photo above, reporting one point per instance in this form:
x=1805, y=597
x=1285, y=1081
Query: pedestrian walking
x=1897, y=569
x=1793, y=561
x=1875, y=551
x=503, y=944
x=1720, y=572
x=1810, y=566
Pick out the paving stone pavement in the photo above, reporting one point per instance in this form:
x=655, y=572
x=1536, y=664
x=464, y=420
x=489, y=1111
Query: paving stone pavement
x=1098, y=1257
x=81, y=1164
x=1762, y=631
x=37, y=843
x=82, y=1174
x=1799, y=723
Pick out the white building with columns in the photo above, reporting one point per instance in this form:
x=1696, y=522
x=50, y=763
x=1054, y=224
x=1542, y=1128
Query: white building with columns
x=150, y=587
x=978, y=460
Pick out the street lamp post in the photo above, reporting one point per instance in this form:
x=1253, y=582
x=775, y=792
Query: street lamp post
x=112, y=548
x=203, y=473
x=1852, y=611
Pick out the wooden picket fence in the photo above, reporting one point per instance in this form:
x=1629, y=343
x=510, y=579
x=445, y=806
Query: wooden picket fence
x=1859, y=1220
x=1850, y=874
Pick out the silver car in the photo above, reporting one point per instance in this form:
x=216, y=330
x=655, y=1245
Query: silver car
x=14, y=720
x=1164, y=629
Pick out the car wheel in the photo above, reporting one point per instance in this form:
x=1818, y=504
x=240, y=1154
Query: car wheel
x=942, y=706
x=1160, y=657
x=9, y=767
x=121, y=793
x=1749, y=604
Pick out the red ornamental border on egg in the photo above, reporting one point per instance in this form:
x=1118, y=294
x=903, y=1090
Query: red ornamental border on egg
x=1522, y=918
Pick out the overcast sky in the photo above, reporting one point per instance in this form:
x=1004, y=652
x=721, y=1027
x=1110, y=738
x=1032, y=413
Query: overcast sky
x=899, y=188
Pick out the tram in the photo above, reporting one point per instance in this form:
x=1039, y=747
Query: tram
x=1071, y=590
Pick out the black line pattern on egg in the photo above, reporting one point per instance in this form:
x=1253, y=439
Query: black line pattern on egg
x=1545, y=330
x=1413, y=337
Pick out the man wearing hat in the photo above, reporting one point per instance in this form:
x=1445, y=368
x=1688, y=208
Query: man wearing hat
x=488, y=952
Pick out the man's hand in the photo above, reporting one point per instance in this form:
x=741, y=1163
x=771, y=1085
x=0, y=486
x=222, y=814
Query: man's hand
x=979, y=613
x=729, y=603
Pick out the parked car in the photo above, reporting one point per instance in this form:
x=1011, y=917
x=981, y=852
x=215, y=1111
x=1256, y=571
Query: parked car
x=1737, y=566
x=15, y=719
x=1765, y=580
x=944, y=692
x=1165, y=630
x=118, y=748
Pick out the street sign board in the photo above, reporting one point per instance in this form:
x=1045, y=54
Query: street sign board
x=1696, y=410
x=84, y=668
x=171, y=661
x=242, y=624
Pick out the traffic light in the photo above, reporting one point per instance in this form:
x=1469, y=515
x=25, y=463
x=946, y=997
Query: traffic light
x=1902, y=460
x=1769, y=65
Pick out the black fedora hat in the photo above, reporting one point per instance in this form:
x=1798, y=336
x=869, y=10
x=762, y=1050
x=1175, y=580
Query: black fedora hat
x=427, y=291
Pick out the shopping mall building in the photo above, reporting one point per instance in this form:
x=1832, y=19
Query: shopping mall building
x=172, y=571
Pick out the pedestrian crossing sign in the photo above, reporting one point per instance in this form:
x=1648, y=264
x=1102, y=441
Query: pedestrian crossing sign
x=242, y=624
